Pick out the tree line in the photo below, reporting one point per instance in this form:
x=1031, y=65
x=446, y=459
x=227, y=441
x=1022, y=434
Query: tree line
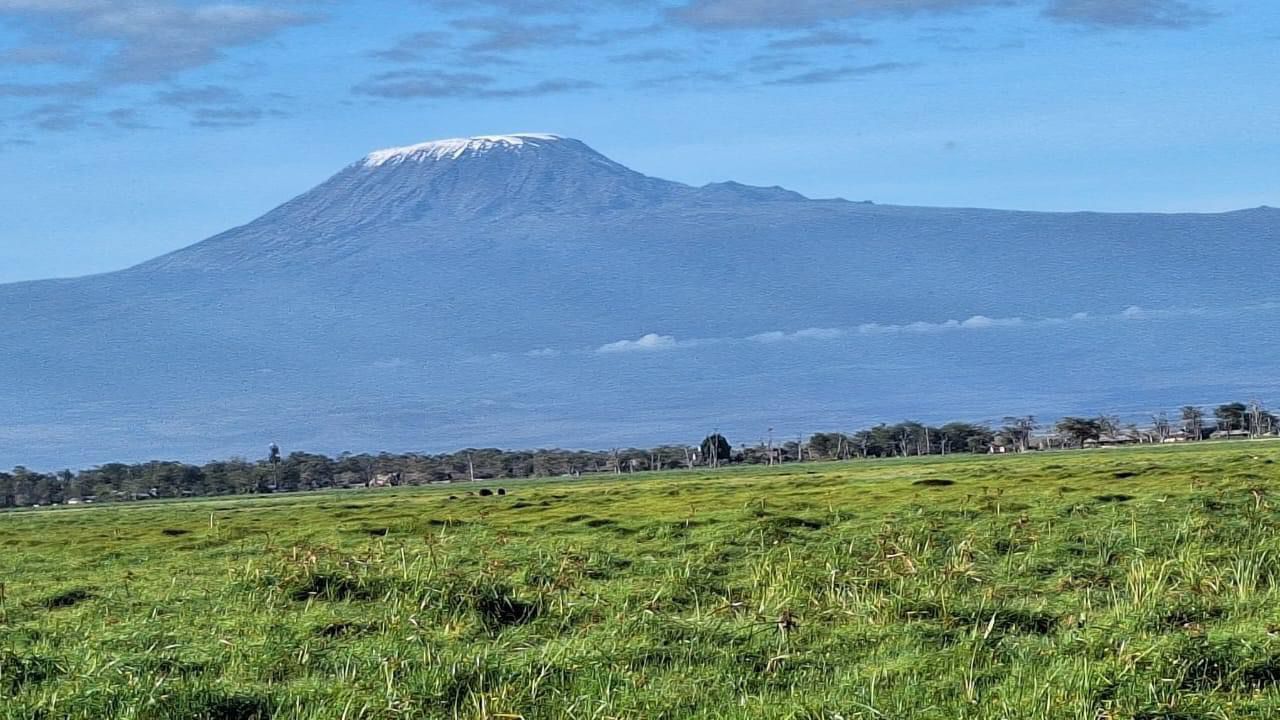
x=301, y=471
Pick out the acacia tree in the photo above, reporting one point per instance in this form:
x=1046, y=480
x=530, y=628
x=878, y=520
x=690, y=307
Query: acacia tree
x=1261, y=422
x=273, y=457
x=1232, y=416
x=1019, y=430
x=1109, y=425
x=716, y=449
x=1079, y=430
x=1161, y=427
x=964, y=437
x=1193, y=422
x=827, y=445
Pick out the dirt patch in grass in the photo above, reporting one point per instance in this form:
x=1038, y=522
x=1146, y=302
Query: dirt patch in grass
x=1113, y=498
x=934, y=483
x=337, y=587
x=208, y=704
x=447, y=522
x=346, y=629
x=499, y=607
x=790, y=522
x=174, y=532
x=67, y=598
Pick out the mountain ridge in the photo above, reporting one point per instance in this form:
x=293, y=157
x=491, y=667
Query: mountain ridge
x=403, y=306
x=452, y=150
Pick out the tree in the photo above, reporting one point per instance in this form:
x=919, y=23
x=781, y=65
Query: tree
x=964, y=437
x=879, y=441
x=827, y=445
x=314, y=471
x=716, y=449
x=1232, y=416
x=910, y=438
x=273, y=457
x=1261, y=422
x=1193, y=422
x=1019, y=430
x=1161, y=427
x=1109, y=425
x=1079, y=430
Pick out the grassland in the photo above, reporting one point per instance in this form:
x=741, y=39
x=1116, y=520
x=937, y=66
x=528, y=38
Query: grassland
x=1113, y=584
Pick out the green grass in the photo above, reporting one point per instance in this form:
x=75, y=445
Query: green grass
x=1112, y=584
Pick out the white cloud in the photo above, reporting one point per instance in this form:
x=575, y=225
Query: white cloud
x=820, y=334
x=149, y=41
x=649, y=343
x=977, y=322
x=927, y=327
x=814, y=333
x=980, y=322
x=654, y=342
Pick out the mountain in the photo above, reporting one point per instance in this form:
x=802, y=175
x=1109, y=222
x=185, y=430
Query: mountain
x=526, y=290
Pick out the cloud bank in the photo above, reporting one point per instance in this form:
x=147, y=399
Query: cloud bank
x=654, y=342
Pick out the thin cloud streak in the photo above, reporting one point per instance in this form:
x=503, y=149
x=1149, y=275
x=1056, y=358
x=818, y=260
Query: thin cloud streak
x=719, y=15
x=413, y=84
x=655, y=342
x=648, y=343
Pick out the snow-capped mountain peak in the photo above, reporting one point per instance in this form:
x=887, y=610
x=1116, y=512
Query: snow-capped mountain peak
x=396, y=307
x=457, y=148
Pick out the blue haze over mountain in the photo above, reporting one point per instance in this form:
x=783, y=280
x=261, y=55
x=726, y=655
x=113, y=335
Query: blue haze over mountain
x=523, y=291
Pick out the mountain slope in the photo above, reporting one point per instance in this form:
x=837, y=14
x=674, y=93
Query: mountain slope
x=459, y=292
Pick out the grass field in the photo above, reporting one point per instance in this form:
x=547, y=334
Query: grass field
x=1087, y=585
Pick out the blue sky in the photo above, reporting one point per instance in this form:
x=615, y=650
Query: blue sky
x=129, y=128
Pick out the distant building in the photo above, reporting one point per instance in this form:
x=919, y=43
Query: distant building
x=1231, y=435
x=1113, y=441
x=387, y=480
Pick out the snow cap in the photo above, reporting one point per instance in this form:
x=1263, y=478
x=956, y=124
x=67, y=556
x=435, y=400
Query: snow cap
x=456, y=148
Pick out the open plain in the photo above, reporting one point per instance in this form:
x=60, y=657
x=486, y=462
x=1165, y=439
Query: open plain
x=1139, y=583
